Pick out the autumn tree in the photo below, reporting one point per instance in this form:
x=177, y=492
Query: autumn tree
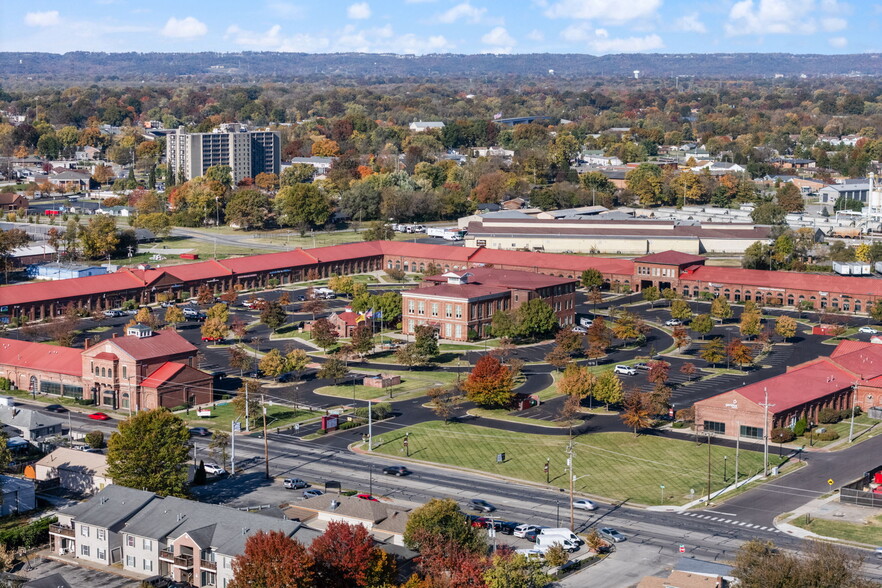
x=272, y=315
x=651, y=295
x=759, y=564
x=599, y=338
x=714, y=351
x=218, y=446
x=636, y=413
x=362, y=340
x=490, y=383
x=558, y=357
x=323, y=333
x=204, y=295
x=150, y=451
x=240, y=359
x=592, y=279
x=576, y=381
x=629, y=326
x=785, y=326
x=515, y=571
x=739, y=353
x=245, y=403
x=658, y=372
x=681, y=337
x=720, y=309
x=789, y=197
x=273, y=364
x=702, y=324
x=608, y=388
x=751, y=323
x=298, y=360
x=681, y=310
x=173, y=316
x=313, y=306
x=443, y=401
x=569, y=340
x=214, y=329
x=441, y=519
x=333, y=369
x=344, y=556
x=273, y=560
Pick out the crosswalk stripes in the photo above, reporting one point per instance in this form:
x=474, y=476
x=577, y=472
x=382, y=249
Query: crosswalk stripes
x=734, y=522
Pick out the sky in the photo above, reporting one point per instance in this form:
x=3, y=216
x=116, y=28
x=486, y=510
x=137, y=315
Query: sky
x=595, y=27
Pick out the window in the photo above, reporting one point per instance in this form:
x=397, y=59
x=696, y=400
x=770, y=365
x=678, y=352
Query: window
x=84, y=550
x=421, y=307
x=458, y=331
x=84, y=530
x=410, y=325
x=101, y=534
x=103, y=373
x=410, y=306
x=50, y=387
x=458, y=311
x=125, y=369
x=101, y=554
x=130, y=541
x=447, y=330
x=148, y=544
x=752, y=432
x=131, y=561
x=448, y=310
x=714, y=427
x=148, y=565
x=434, y=309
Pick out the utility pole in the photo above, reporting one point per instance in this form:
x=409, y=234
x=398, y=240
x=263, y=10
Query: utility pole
x=247, y=420
x=570, y=462
x=737, y=447
x=766, y=407
x=234, y=428
x=708, y=467
x=370, y=426
x=265, y=441
x=853, y=403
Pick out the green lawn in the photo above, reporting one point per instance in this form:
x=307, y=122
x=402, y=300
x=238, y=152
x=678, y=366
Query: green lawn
x=224, y=413
x=869, y=533
x=503, y=414
x=861, y=424
x=619, y=466
x=409, y=388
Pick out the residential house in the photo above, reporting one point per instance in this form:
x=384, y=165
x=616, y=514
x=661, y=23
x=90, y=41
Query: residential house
x=87, y=153
x=10, y=202
x=32, y=424
x=147, y=534
x=421, y=127
x=385, y=522
x=344, y=323
x=83, y=472
x=19, y=495
x=70, y=180
x=321, y=164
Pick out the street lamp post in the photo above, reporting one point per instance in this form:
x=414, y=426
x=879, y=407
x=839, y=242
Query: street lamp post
x=725, y=468
x=547, y=474
x=407, y=444
x=853, y=403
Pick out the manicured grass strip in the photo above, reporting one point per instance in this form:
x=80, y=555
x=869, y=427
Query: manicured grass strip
x=502, y=414
x=869, y=533
x=223, y=414
x=618, y=466
x=408, y=388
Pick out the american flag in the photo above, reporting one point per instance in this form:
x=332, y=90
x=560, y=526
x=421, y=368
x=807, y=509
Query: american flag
x=497, y=116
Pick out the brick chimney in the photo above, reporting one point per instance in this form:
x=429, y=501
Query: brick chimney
x=114, y=336
x=86, y=343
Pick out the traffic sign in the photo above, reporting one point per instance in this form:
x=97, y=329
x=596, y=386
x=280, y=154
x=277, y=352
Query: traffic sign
x=682, y=549
x=830, y=481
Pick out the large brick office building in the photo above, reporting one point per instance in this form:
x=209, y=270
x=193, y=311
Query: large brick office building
x=460, y=303
x=140, y=371
x=851, y=374
x=687, y=274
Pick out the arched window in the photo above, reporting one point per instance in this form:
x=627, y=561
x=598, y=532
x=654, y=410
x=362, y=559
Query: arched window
x=103, y=373
x=125, y=400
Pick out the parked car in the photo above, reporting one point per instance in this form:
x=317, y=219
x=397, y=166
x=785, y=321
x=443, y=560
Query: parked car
x=56, y=408
x=508, y=527
x=295, y=483
x=396, y=471
x=578, y=329
x=199, y=432
x=531, y=535
x=113, y=313
x=157, y=582
x=99, y=416
x=366, y=497
x=212, y=469
x=625, y=370
x=481, y=505
x=868, y=330
x=584, y=504
x=212, y=339
x=522, y=530
x=253, y=303
x=673, y=322
x=642, y=365
x=476, y=521
x=312, y=493
x=612, y=535
x=167, y=303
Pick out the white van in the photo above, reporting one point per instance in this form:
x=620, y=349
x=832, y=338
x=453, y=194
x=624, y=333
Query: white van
x=544, y=542
x=7, y=401
x=565, y=533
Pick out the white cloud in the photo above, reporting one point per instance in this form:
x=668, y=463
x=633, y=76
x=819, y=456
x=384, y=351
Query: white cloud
x=359, y=11
x=599, y=41
x=42, y=19
x=603, y=10
x=349, y=38
x=536, y=35
x=690, y=24
x=500, y=40
x=186, y=28
x=838, y=42
x=464, y=11
x=785, y=17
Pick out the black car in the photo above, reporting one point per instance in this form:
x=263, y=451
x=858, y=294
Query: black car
x=199, y=432
x=507, y=527
x=56, y=408
x=481, y=505
x=531, y=535
x=301, y=298
x=157, y=582
x=396, y=471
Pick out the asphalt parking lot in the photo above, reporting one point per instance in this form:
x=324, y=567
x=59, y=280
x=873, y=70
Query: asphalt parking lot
x=78, y=577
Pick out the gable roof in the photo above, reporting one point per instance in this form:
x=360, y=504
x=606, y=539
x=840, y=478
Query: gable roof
x=782, y=280
x=671, y=257
x=110, y=507
x=41, y=356
x=162, y=344
x=353, y=507
x=162, y=374
x=789, y=389
x=26, y=419
x=85, y=462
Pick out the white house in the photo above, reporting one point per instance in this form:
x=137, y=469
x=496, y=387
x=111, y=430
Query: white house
x=420, y=126
x=77, y=471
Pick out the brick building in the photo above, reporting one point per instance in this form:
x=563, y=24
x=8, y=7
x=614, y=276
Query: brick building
x=852, y=374
x=457, y=303
x=142, y=370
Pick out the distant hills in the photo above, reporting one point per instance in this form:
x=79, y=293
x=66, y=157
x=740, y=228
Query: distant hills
x=88, y=66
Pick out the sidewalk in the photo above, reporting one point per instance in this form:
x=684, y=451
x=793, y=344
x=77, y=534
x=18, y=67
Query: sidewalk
x=827, y=508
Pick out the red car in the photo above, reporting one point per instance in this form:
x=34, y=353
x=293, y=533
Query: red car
x=99, y=416
x=212, y=338
x=366, y=497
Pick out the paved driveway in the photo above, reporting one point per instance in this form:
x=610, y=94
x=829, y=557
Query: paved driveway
x=77, y=576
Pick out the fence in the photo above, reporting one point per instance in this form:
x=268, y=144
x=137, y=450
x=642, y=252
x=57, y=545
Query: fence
x=856, y=492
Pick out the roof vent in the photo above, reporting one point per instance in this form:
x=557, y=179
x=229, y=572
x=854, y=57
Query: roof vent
x=334, y=505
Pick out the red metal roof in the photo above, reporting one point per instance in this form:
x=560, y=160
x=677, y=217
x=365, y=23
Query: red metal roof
x=41, y=356
x=107, y=356
x=74, y=287
x=267, y=262
x=161, y=344
x=464, y=291
x=348, y=317
x=162, y=374
x=670, y=257
x=812, y=381
x=786, y=280
x=203, y=270
x=513, y=279
x=864, y=363
x=848, y=346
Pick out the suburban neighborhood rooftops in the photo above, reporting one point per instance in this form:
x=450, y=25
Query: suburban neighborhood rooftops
x=26, y=419
x=41, y=356
x=110, y=507
x=86, y=462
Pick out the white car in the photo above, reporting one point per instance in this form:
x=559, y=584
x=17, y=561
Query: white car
x=578, y=329
x=673, y=322
x=586, y=322
x=584, y=504
x=522, y=530
x=625, y=370
x=212, y=469
x=868, y=330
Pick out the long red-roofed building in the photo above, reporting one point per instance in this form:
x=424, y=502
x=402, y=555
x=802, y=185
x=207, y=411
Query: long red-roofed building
x=685, y=273
x=851, y=374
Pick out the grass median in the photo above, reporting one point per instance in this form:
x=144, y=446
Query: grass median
x=222, y=415
x=618, y=466
x=869, y=533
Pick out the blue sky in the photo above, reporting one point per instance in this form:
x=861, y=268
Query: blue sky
x=444, y=26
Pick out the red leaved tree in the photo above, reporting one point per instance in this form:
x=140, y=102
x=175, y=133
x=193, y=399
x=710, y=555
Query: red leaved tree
x=345, y=556
x=490, y=383
x=273, y=560
x=451, y=565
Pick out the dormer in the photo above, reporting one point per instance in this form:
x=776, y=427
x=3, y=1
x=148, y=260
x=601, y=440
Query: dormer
x=457, y=279
x=140, y=331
